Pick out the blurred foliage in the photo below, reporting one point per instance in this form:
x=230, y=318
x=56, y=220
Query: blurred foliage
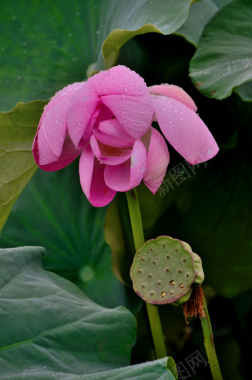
x=208, y=205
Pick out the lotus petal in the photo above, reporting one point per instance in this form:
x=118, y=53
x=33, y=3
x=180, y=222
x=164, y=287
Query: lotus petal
x=92, y=179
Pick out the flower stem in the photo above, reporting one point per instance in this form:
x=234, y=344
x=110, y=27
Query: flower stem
x=138, y=236
x=209, y=345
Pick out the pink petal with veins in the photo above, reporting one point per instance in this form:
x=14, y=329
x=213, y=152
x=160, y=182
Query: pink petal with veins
x=129, y=174
x=92, y=179
x=54, y=126
x=119, y=80
x=83, y=111
x=174, y=92
x=47, y=160
x=111, y=133
x=134, y=113
x=52, y=149
x=66, y=93
x=184, y=130
x=109, y=155
x=158, y=159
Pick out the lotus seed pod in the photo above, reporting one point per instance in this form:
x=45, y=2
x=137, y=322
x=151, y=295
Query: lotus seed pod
x=164, y=270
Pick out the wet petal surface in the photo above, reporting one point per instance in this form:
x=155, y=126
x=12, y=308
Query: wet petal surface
x=92, y=179
x=184, y=130
x=128, y=175
x=158, y=159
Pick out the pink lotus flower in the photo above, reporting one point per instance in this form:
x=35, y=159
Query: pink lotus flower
x=107, y=120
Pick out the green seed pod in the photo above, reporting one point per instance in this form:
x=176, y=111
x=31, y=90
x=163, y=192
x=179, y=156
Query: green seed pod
x=164, y=270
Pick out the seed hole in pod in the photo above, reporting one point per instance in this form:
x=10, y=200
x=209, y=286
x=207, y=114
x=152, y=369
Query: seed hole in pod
x=152, y=250
x=143, y=286
x=183, y=260
x=163, y=294
x=179, y=271
x=172, y=282
x=144, y=259
x=160, y=282
x=164, y=247
x=152, y=293
x=140, y=272
x=150, y=275
x=154, y=263
x=176, y=252
x=171, y=294
x=187, y=275
x=167, y=270
x=181, y=286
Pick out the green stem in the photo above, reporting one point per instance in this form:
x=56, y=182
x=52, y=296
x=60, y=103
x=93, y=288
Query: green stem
x=209, y=345
x=138, y=236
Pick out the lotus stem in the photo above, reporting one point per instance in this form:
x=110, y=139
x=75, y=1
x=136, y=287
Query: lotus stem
x=152, y=310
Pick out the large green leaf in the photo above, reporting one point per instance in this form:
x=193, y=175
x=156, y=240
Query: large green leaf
x=200, y=14
x=50, y=329
x=54, y=213
x=224, y=56
x=50, y=44
x=17, y=130
x=164, y=369
x=46, y=320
